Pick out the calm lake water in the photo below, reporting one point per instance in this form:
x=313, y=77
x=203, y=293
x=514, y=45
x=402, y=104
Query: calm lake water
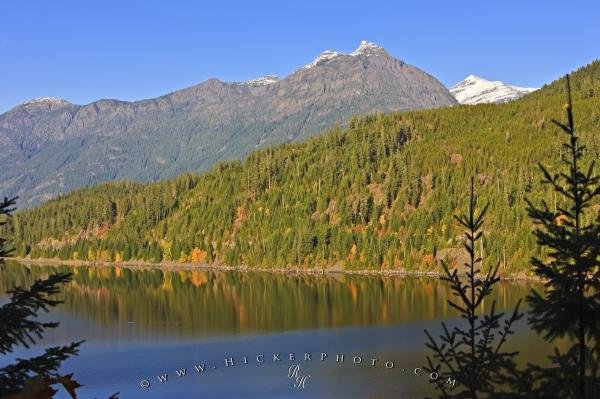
x=142, y=324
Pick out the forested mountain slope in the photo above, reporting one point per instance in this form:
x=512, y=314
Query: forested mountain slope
x=379, y=194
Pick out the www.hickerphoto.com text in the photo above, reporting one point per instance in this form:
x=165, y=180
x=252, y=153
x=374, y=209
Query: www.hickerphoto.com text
x=293, y=360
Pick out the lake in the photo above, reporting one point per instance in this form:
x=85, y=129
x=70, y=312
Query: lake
x=153, y=333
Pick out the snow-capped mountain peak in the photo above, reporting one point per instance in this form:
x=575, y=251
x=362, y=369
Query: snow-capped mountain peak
x=476, y=90
x=323, y=57
x=365, y=48
x=262, y=81
x=473, y=78
x=368, y=48
x=46, y=100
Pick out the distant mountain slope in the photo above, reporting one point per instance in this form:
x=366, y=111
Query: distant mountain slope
x=52, y=146
x=477, y=90
x=379, y=194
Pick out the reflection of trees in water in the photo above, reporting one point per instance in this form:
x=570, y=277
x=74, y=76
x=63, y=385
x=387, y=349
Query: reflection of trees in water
x=202, y=302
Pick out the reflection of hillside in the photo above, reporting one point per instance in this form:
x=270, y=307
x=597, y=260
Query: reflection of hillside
x=208, y=302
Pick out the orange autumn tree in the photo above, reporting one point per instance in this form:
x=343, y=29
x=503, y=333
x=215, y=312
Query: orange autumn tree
x=199, y=256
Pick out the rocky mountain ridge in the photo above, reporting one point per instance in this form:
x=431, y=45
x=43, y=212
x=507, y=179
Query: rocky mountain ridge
x=52, y=146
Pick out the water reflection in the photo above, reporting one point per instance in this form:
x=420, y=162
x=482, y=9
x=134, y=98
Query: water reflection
x=192, y=303
x=139, y=323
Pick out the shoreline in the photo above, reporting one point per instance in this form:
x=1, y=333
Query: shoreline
x=174, y=266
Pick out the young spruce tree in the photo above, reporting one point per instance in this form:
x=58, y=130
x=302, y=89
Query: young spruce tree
x=34, y=377
x=474, y=354
x=569, y=306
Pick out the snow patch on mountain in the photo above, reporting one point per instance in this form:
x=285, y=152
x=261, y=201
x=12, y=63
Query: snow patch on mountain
x=262, y=81
x=477, y=90
x=368, y=48
x=323, y=57
x=47, y=100
x=365, y=48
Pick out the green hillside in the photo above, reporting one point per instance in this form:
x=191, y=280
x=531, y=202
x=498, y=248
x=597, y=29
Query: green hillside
x=380, y=194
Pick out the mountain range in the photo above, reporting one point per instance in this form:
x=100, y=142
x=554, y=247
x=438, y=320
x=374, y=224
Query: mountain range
x=51, y=146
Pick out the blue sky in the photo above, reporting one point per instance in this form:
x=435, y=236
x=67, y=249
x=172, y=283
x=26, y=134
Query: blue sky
x=84, y=50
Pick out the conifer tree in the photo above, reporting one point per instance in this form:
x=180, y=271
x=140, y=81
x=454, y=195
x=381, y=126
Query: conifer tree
x=569, y=305
x=474, y=355
x=33, y=377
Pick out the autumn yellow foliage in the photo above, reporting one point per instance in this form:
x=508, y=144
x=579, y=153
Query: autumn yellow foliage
x=352, y=253
x=560, y=219
x=199, y=256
